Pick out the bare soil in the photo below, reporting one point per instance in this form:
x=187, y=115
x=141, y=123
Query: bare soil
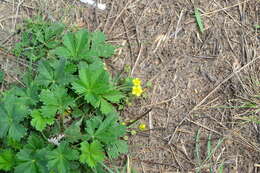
x=193, y=74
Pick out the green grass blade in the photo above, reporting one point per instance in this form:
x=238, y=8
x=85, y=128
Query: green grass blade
x=221, y=168
x=107, y=168
x=1, y=76
x=199, y=20
x=197, y=150
x=220, y=141
x=209, y=149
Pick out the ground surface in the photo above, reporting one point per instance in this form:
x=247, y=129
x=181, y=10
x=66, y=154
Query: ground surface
x=194, y=75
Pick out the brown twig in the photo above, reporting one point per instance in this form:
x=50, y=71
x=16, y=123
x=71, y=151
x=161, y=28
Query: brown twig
x=138, y=118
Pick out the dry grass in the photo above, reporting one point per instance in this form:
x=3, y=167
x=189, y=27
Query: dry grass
x=193, y=74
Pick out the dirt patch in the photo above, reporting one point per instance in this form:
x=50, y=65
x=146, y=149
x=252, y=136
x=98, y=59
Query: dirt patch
x=193, y=74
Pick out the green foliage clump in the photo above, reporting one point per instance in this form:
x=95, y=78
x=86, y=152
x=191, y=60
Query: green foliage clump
x=38, y=38
x=63, y=119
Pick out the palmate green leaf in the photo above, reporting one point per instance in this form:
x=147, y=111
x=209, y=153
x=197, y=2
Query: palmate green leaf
x=11, y=115
x=116, y=148
x=98, y=46
x=55, y=101
x=31, y=162
x=28, y=95
x=92, y=153
x=34, y=143
x=32, y=158
x=85, y=45
x=12, y=143
x=39, y=122
x=61, y=157
x=52, y=73
x=76, y=45
x=7, y=160
x=82, y=43
x=94, y=84
x=105, y=131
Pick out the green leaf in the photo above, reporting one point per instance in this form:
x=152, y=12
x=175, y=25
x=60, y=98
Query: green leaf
x=40, y=36
x=34, y=143
x=69, y=43
x=81, y=40
x=114, y=96
x=73, y=133
x=91, y=154
x=11, y=115
x=94, y=84
x=32, y=158
x=37, y=38
x=39, y=122
x=76, y=45
x=1, y=76
x=60, y=158
x=52, y=44
x=106, y=131
x=54, y=30
x=116, y=148
x=28, y=95
x=53, y=73
x=199, y=20
x=98, y=46
x=257, y=26
x=10, y=142
x=55, y=101
x=106, y=107
x=31, y=162
x=84, y=45
x=62, y=52
x=46, y=74
x=7, y=160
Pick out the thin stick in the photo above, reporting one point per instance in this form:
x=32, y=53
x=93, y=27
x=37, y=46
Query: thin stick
x=177, y=26
x=26, y=6
x=16, y=13
x=138, y=118
x=118, y=16
x=137, y=59
x=109, y=15
x=161, y=102
x=204, y=14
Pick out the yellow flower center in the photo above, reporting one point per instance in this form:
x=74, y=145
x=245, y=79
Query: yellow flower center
x=137, y=90
x=136, y=82
x=142, y=126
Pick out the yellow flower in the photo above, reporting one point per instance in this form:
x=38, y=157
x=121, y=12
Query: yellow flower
x=137, y=90
x=142, y=126
x=136, y=82
x=123, y=123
